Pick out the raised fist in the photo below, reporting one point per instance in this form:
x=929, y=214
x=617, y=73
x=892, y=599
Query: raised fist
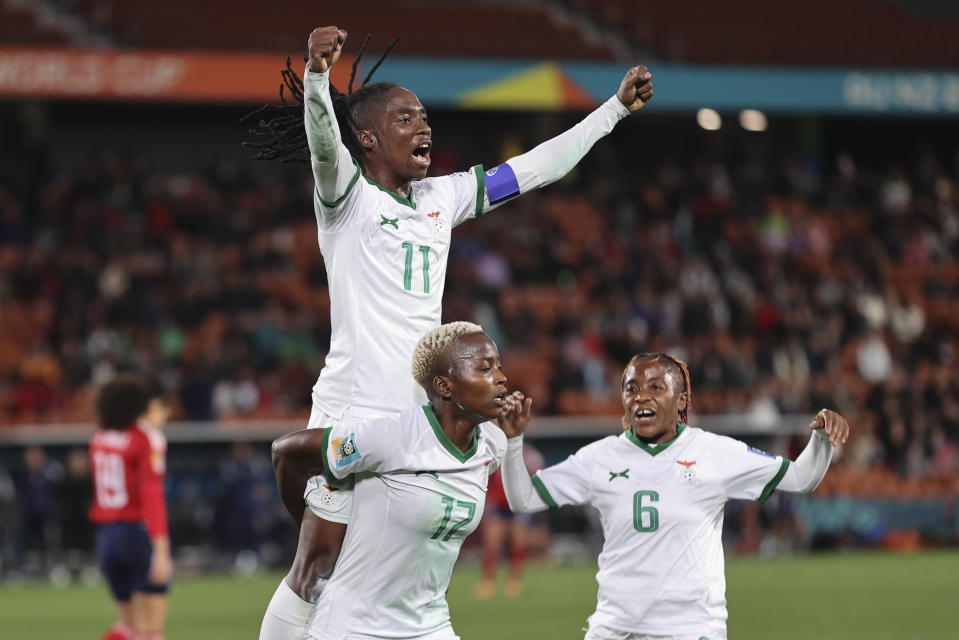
x=325, y=46
x=636, y=89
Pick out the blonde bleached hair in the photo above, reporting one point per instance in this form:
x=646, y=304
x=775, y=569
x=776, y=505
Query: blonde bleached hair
x=434, y=348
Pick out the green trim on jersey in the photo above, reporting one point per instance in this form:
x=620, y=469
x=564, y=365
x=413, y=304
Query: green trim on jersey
x=407, y=201
x=336, y=203
x=658, y=449
x=543, y=491
x=445, y=439
x=768, y=490
x=327, y=467
x=480, y=188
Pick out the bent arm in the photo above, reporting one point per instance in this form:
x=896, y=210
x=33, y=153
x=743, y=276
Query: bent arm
x=520, y=492
x=553, y=159
x=333, y=167
x=297, y=457
x=808, y=470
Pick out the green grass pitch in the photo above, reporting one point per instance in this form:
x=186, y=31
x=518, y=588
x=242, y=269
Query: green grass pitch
x=819, y=597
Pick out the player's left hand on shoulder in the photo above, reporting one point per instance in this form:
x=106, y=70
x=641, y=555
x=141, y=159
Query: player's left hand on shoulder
x=834, y=425
x=636, y=89
x=517, y=410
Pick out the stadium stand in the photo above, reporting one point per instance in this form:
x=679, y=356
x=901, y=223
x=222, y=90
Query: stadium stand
x=20, y=25
x=817, y=32
x=428, y=28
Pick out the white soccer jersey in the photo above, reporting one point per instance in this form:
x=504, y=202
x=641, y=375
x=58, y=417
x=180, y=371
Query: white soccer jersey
x=661, y=571
x=386, y=260
x=416, y=498
x=386, y=255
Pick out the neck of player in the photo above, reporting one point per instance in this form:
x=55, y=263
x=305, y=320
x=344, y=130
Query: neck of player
x=388, y=179
x=457, y=423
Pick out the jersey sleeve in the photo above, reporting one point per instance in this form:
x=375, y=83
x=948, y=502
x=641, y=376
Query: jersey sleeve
x=373, y=446
x=464, y=192
x=550, y=160
x=748, y=473
x=335, y=172
x=151, y=469
x=568, y=482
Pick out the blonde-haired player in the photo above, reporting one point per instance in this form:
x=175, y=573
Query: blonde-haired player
x=660, y=489
x=420, y=487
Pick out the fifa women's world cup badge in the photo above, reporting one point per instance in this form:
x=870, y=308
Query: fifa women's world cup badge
x=345, y=451
x=686, y=472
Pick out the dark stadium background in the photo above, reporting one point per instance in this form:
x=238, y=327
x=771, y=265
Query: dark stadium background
x=649, y=192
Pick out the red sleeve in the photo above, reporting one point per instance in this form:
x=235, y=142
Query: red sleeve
x=152, y=468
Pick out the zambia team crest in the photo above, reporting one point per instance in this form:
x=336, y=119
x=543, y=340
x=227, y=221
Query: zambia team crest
x=686, y=472
x=484, y=478
x=437, y=227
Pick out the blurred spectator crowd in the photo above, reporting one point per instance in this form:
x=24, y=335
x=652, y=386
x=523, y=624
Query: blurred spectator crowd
x=223, y=512
x=786, y=281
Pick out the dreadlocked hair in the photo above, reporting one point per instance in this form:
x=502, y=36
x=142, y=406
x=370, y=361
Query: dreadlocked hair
x=281, y=134
x=678, y=366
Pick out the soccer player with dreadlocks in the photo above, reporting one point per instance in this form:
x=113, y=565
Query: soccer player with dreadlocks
x=384, y=231
x=660, y=489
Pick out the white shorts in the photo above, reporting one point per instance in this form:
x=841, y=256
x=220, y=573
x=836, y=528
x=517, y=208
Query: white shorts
x=334, y=503
x=601, y=632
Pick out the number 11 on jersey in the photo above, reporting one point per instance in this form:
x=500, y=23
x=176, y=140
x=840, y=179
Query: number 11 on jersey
x=408, y=271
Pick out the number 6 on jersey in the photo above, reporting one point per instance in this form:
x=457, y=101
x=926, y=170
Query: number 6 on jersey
x=652, y=514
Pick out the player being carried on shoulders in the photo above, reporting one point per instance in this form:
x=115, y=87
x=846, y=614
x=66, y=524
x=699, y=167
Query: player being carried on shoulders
x=384, y=232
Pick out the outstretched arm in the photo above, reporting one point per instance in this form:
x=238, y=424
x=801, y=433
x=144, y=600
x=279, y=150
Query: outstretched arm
x=297, y=457
x=333, y=167
x=553, y=159
x=829, y=430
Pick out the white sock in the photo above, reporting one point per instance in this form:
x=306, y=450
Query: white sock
x=286, y=615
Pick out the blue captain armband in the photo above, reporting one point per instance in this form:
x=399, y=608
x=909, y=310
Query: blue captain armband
x=501, y=183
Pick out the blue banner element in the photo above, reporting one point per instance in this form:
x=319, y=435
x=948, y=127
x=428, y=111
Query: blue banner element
x=686, y=88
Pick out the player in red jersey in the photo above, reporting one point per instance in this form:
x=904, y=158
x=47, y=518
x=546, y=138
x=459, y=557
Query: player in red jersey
x=128, y=459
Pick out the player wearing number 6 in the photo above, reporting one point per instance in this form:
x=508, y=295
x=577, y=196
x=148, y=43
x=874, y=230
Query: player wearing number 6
x=420, y=487
x=660, y=489
x=384, y=231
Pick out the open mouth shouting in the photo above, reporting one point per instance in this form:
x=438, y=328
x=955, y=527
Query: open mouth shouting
x=421, y=153
x=644, y=416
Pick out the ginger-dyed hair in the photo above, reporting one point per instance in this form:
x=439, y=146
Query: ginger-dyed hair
x=677, y=365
